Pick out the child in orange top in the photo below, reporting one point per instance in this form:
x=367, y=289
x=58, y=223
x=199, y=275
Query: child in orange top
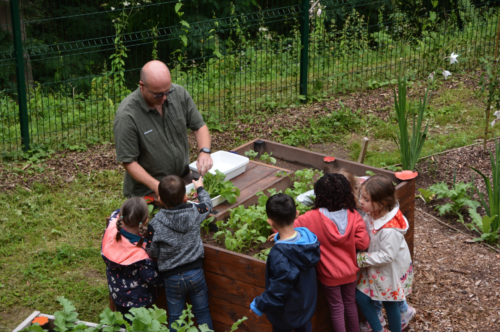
x=133, y=277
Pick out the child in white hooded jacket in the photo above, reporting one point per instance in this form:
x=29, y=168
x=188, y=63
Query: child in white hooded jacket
x=387, y=269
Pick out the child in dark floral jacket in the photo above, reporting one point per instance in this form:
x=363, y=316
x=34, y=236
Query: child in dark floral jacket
x=133, y=277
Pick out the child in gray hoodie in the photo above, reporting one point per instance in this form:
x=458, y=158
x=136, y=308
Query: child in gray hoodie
x=173, y=236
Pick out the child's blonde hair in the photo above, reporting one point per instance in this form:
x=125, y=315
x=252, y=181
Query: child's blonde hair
x=350, y=177
x=381, y=190
x=134, y=212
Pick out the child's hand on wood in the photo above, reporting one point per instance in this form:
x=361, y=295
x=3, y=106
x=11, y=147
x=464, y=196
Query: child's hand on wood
x=198, y=183
x=254, y=314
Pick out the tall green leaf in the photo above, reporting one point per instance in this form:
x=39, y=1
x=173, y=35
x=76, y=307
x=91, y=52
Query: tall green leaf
x=409, y=147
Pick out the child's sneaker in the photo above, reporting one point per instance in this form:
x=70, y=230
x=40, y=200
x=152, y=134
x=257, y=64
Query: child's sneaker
x=365, y=327
x=407, y=317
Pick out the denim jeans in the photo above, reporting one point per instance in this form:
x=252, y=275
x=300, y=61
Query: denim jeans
x=193, y=283
x=305, y=328
x=366, y=304
x=403, y=307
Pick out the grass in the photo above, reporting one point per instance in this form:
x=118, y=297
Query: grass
x=50, y=246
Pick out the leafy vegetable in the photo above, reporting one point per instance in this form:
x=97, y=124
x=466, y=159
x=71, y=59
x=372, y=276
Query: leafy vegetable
x=217, y=185
x=247, y=228
x=142, y=320
x=66, y=319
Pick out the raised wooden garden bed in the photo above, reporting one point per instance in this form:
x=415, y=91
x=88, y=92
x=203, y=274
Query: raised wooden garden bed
x=234, y=279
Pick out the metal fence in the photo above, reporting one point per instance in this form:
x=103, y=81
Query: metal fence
x=59, y=87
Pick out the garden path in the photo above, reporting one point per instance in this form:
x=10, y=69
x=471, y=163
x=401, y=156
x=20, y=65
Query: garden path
x=457, y=284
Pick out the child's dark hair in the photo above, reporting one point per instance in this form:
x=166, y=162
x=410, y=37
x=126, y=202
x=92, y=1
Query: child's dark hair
x=280, y=208
x=133, y=213
x=172, y=190
x=334, y=192
x=381, y=190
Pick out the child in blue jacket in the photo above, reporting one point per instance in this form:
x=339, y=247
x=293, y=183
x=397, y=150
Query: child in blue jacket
x=289, y=300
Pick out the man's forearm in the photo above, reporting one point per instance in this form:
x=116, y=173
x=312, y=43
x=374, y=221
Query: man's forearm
x=203, y=137
x=138, y=173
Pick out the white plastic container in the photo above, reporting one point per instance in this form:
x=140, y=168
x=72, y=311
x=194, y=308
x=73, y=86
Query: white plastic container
x=228, y=163
x=215, y=201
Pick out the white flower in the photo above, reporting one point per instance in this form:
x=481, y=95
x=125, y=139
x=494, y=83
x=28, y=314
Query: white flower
x=268, y=37
x=112, y=8
x=446, y=74
x=138, y=4
x=431, y=76
x=318, y=13
x=262, y=29
x=497, y=114
x=126, y=3
x=453, y=58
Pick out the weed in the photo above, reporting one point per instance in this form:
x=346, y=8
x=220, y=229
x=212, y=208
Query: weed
x=251, y=154
x=267, y=158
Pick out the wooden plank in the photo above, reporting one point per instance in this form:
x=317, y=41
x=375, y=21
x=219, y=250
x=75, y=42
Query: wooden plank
x=234, y=266
x=253, y=175
x=225, y=314
x=405, y=192
x=409, y=212
x=321, y=320
x=231, y=290
x=245, y=147
x=313, y=159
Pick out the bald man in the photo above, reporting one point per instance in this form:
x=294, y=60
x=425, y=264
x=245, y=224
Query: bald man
x=151, y=135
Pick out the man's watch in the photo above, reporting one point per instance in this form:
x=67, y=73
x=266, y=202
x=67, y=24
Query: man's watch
x=206, y=150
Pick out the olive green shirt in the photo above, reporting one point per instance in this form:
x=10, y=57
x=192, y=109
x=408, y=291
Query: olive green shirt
x=159, y=144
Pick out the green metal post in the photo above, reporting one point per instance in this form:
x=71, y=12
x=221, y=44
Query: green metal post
x=21, y=83
x=304, y=55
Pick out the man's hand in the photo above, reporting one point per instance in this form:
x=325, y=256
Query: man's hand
x=204, y=163
x=198, y=183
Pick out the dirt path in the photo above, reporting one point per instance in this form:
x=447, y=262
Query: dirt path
x=457, y=286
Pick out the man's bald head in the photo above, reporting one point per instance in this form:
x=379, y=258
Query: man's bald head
x=155, y=72
x=155, y=80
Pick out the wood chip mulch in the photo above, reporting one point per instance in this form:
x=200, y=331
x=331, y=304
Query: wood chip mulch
x=456, y=285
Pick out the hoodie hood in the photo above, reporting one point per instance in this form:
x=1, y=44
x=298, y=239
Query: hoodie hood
x=330, y=228
x=400, y=223
x=304, y=253
x=120, y=252
x=175, y=220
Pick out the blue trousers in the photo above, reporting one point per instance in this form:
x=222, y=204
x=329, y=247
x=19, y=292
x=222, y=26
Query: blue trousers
x=366, y=304
x=403, y=306
x=192, y=283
